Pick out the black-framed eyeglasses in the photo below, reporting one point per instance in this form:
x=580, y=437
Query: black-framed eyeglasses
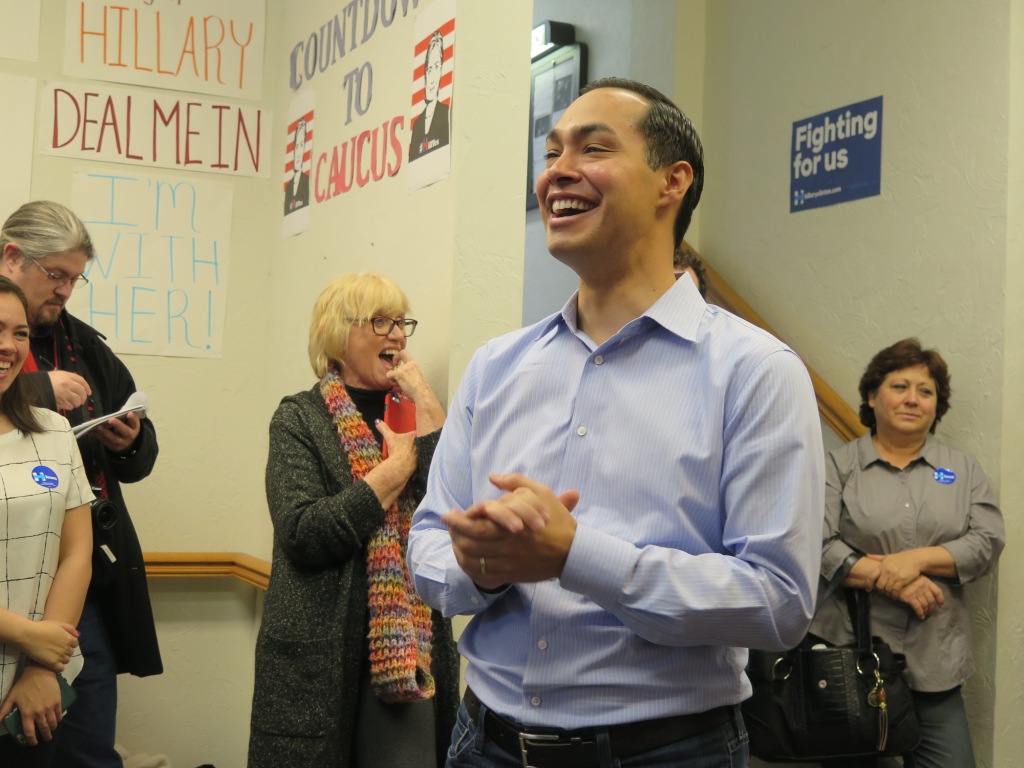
x=382, y=325
x=57, y=278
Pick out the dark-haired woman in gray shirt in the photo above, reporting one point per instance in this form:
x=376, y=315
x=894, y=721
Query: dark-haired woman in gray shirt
x=910, y=521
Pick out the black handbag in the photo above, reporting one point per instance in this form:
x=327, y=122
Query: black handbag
x=819, y=702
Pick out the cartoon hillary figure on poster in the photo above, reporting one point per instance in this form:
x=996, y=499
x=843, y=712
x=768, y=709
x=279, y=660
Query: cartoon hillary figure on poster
x=296, y=191
x=432, y=127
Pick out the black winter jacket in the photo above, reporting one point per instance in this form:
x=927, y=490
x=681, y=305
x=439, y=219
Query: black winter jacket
x=118, y=588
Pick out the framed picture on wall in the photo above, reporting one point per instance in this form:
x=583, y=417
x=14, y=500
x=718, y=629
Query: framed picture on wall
x=556, y=79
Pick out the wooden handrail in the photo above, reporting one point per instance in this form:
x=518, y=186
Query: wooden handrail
x=251, y=570
x=834, y=411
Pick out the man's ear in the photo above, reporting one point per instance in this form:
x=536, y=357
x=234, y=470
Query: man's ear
x=678, y=179
x=11, y=259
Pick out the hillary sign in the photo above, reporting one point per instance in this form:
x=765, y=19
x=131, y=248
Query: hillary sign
x=837, y=156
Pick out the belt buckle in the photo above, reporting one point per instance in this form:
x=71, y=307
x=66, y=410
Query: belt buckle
x=525, y=740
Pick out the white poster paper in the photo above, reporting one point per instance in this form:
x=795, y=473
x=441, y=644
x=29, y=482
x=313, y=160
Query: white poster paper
x=298, y=162
x=158, y=283
x=185, y=45
x=160, y=129
x=433, y=86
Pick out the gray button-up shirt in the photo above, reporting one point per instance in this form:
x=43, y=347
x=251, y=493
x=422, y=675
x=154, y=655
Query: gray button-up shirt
x=941, y=498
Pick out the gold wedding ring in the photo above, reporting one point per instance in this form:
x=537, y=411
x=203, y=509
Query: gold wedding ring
x=483, y=567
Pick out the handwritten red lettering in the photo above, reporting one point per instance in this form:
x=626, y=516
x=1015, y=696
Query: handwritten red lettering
x=155, y=128
x=348, y=160
x=109, y=120
x=189, y=133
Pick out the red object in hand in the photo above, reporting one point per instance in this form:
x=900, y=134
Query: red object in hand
x=399, y=414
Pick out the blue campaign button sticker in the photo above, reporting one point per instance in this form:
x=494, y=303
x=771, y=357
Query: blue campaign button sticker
x=45, y=476
x=944, y=476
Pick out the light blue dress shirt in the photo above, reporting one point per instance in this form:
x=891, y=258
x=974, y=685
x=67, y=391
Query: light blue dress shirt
x=694, y=441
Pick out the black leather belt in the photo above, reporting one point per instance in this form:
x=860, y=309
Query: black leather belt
x=557, y=748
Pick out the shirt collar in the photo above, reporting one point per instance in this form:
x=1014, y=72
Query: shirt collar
x=867, y=454
x=679, y=310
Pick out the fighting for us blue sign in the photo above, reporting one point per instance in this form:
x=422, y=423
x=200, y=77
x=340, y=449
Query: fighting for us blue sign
x=837, y=156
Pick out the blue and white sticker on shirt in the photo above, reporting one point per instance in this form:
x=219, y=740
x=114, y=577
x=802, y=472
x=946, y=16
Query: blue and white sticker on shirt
x=45, y=477
x=944, y=476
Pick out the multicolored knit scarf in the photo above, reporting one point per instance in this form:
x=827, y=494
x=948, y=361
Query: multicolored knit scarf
x=400, y=629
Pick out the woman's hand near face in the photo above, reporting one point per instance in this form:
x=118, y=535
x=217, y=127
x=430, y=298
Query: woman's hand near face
x=389, y=478
x=408, y=379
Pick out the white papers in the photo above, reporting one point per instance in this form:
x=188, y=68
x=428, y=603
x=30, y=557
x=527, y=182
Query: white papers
x=136, y=403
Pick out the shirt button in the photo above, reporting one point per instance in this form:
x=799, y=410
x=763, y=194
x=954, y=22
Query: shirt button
x=543, y=645
x=598, y=360
x=581, y=430
x=535, y=701
x=474, y=600
x=907, y=505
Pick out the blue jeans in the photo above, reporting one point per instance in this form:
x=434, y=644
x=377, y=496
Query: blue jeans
x=724, y=746
x=945, y=737
x=86, y=735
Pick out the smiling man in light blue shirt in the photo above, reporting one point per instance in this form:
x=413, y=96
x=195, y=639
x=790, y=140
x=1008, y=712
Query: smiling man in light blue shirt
x=629, y=493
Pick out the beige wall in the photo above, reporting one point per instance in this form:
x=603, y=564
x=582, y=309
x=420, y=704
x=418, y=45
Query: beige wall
x=929, y=257
x=1009, y=630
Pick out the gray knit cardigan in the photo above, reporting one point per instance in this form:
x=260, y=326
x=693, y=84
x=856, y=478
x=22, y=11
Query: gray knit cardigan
x=311, y=647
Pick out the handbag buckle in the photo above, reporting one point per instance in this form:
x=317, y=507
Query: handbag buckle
x=877, y=668
x=775, y=668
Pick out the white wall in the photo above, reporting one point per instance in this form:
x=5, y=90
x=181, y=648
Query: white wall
x=444, y=245
x=197, y=711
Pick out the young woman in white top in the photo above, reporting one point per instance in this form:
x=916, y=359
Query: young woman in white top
x=45, y=549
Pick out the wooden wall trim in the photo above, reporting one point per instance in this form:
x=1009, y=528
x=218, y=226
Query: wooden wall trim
x=251, y=570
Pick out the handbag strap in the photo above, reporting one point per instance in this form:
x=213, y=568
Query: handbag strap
x=857, y=600
x=859, y=606
x=837, y=578
x=826, y=589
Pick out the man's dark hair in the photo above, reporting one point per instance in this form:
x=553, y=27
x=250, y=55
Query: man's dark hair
x=904, y=354
x=686, y=258
x=670, y=137
x=16, y=402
